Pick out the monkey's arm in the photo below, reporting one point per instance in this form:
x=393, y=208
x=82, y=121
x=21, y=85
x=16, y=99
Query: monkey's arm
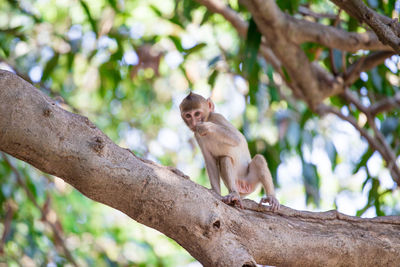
x=212, y=168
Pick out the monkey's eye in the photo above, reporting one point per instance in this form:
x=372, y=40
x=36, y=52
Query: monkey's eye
x=197, y=113
x=187, y=116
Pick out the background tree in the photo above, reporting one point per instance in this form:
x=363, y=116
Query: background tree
x=312, y=85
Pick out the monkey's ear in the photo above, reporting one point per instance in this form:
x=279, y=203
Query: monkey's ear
x=210, y=104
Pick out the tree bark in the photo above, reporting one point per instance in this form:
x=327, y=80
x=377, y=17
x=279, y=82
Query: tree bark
x=34, y=129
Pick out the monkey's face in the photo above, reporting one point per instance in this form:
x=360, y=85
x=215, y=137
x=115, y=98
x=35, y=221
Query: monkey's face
x=195, y=116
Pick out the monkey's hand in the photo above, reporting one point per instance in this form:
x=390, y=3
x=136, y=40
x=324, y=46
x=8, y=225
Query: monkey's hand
x=204, y=128
x=233, y=199
x=272, y=201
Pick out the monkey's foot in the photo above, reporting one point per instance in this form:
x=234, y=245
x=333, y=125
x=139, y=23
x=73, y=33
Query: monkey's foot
x=272, y=201
x=233, y=199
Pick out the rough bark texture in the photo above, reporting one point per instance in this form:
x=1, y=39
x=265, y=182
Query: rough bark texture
x=34, y=129
x=387, y=29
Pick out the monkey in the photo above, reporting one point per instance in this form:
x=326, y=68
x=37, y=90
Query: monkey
x=226, y=153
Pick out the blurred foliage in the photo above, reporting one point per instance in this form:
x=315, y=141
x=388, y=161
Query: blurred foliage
x=126, y=65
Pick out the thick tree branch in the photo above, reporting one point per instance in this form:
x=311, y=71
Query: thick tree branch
x=33, y=128
x=387, y=29
x=306, y=31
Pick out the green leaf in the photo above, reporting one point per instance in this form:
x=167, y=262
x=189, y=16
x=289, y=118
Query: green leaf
x=285, y=72
x=195, y=48
x=373, y=196
x=212, y=78
x=352, y=25
x=337, y=101
x=70, y=61
x=273, y=93
x=363, y=161
x=51, y=64
x=206, y=17
x=113, y=4
x=293, y=134
x=92, y=22
x=253, y=84
x=291, y=6
x=214, y=61
x=156, y=10
x=311, y=183
x=389, y=7
x=177, y=43
x=175, y=20
x=253, y=41
x=32, y=187
x=305, y=117
x=332, y=153
x=188, y=7
x=272, y=156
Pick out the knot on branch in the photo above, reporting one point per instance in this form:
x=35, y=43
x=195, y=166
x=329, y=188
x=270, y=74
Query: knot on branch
x=212, y=226
x=217, y=224
x=47, y=111
x=88, y=122
x=97, y=144
x=368, y=15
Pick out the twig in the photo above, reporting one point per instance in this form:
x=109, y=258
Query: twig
x=365, y=63
x=386, y=152
x=385, y=104
x=324, y=109
x=307, y=12
x=378, y=143
x=10, y=209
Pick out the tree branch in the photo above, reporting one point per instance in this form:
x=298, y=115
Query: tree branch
x=33, y=128
x=377, y=143
x=302, y=31
x=10, y=209
x=366, y=63
x=385, y=104
x=385, y=150
x=241, y=27
x=387, y=29
x=305, y=11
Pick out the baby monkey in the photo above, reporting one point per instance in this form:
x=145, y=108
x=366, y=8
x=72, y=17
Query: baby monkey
x=226, y=153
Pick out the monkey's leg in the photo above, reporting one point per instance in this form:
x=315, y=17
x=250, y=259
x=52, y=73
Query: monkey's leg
x=228, y=176
x=259, y=173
